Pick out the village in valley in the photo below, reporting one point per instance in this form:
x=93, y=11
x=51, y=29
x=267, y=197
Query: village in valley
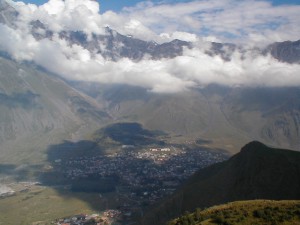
x=124, y=183
x=107, y=217
x=138, y=176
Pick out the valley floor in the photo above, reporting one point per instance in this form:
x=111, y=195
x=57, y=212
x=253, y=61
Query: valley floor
x=128, y=181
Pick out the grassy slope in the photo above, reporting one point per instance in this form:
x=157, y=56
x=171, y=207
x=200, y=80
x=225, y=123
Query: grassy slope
x=245, y=213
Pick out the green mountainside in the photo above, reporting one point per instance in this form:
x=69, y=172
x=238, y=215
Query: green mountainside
x=245, y=213
x=257, y=172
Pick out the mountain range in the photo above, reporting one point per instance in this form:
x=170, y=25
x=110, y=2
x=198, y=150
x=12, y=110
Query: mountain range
x=113, y=45
x=39, y=108
x=43, y=112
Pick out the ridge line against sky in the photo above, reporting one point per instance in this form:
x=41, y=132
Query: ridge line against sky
x=249, y=23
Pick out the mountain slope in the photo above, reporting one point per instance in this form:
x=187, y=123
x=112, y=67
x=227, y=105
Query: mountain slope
x=268, y=114
x=245, y=212
x=37, y=110
x=228, y=117
x=257, y=172
x=7, y=13
x=287, y=51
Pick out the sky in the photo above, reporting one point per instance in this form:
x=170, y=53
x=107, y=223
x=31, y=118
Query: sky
x=249, y=23
x=117, y=5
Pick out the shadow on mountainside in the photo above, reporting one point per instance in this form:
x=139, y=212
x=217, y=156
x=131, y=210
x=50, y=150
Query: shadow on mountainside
x=19, y=173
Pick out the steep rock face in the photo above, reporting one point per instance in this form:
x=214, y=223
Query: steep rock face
x=257, y=172
x=114, y=46
x=38, y=109
x=111, y=45
x=286, y=51
x=7, y=13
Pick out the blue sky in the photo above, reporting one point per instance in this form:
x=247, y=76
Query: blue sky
x=114, y=5
x=117, y=5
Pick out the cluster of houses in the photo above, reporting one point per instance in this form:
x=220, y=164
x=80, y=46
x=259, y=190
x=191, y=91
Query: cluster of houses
x=154, y=171
x=106, y=218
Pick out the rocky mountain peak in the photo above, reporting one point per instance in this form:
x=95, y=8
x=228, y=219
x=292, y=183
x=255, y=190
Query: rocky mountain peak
x=8, y=13
x=287, y=51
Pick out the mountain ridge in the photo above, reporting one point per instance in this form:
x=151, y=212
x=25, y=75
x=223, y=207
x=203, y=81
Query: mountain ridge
x=256, y=172
x=226, y=116
x=114, y=46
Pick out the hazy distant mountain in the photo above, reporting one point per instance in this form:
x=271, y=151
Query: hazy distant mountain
x=257, y=172
x=286, y=51
x=38, y=109
x=227, y=117
x=7, y=13
x=113, y=46
x=271, y=113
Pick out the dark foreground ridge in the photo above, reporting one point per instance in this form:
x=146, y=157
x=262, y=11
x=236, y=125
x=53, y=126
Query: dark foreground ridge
x=256, y=172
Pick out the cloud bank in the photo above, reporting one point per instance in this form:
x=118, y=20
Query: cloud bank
x=254, y=21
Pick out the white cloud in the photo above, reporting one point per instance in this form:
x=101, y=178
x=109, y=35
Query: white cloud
x=60, y=15
x=228, y=20
x=249, y=20
x=245, y=19
x=17, y=43
x=184, y=36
